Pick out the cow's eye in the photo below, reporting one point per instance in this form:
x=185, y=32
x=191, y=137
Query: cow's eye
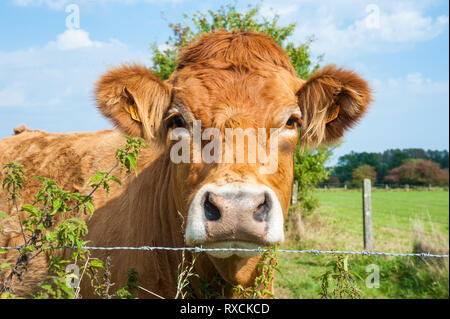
x=175, y=120
x=292, y=122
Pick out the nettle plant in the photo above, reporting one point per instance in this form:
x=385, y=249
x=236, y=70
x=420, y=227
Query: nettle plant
x=53, y=222
x=260, y=289
x=338, y=281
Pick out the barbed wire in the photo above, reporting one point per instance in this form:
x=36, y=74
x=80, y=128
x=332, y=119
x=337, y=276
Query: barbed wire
x=259, y=250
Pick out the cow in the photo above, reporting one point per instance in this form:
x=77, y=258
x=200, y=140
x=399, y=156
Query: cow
x=224, y=80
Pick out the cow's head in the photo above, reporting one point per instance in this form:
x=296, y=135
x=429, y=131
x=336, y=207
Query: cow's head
x=226, y=81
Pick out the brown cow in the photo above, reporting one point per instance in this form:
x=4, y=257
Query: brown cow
x=227, y=81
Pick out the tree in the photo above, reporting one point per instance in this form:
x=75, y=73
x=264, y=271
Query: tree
x=419, y=172
x=362, y=172
x=333, y=181
x=230, y=18
x=309, y=170
x=385, y=161
x=440, y=157
x=349, y=162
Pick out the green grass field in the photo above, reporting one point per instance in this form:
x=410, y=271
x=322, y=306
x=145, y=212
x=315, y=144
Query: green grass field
x=398, y=217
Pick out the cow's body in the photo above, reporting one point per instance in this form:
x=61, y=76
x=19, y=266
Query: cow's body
x=239, y=80
x=71, y=159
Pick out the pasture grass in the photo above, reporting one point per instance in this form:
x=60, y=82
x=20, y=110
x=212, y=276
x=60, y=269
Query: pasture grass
x=412, y=221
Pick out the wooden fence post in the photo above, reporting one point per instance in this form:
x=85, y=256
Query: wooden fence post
x=294, y=193
x=367, y=215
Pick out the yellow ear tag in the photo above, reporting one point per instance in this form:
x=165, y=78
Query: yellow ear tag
x=334, y=115
x=134, y=114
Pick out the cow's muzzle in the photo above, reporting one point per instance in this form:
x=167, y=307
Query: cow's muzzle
x=235, y=215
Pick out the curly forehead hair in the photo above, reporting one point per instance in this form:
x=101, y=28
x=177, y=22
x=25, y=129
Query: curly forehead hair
x=243, y=50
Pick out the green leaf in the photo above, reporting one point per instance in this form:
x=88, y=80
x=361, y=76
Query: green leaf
x=90, y=206
x=115, y=179
x=3, y=251
x=5, y=265
x=96, y=178
x=68, y=291
x=3, y=215
x=27, y=249
x=46, y=287
x=50, y=236
x=132, y=161
x=71, y=237
x=31, y=209
x=7, y=180
x=97, y=263
x=56, y=205
x=74, y=219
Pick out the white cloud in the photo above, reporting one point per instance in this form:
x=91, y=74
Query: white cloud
x=74, y=39
x=405, y=26
x=350, y=28
x=412, y=84
x=284, y=10
x=395, y=29
x=60, y=71
x=51, y=87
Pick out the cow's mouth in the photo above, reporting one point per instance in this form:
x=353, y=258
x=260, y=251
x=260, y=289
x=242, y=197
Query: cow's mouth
x=227, y=249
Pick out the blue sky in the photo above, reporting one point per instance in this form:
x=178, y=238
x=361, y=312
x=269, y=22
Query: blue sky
x=47, y=72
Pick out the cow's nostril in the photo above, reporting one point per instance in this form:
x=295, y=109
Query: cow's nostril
x=261, y=212
x=212, y=213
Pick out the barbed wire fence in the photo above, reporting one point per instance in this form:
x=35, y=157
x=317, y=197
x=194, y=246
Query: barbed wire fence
x=257, y=250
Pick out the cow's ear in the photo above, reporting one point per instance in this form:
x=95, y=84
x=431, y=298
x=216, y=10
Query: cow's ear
x=134, y=99
x=331, y=101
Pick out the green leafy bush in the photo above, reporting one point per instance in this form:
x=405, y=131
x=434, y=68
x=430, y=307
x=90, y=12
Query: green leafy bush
x=53, y=221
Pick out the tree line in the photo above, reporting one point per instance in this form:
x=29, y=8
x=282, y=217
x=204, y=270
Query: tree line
x=414, y=166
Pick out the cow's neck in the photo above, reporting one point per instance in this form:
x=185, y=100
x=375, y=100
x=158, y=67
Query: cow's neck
x=151, y=206
x=148, y=209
